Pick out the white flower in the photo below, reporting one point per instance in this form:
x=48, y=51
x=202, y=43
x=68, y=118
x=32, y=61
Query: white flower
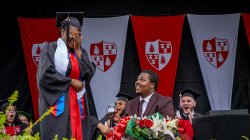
x=172, y=124
x=168, y=132
x=158, y=124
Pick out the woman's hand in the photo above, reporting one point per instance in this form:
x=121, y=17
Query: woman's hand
x=104, y=129
x=117, y=117
x=76, y=38
x=77, y=84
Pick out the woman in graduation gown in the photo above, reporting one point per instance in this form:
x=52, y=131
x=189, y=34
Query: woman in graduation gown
x=63, y=78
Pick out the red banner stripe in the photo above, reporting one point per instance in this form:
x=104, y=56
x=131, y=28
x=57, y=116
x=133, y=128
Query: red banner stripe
x=158, y=41
x=33, y=33
x=246, y=19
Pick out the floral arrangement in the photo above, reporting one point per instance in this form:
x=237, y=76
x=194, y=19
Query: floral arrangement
x=26, y=135
x=154, y=127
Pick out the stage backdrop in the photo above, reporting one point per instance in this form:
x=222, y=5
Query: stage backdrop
x=35, y=33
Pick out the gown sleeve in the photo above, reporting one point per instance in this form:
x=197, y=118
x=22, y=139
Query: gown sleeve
x=50, y=83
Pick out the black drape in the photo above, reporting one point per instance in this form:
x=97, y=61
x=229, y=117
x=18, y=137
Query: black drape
x=241, y=92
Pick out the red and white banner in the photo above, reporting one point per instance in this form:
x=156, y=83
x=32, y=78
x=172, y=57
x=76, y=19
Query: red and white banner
x=104, y=40
x=158, y=43
x=246, y=19
x=35, y=33
x=215, y=39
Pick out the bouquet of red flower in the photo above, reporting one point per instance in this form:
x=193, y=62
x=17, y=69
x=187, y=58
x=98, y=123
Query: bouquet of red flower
x=154, y=127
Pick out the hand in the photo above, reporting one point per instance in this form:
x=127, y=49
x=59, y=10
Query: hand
x=104, y=129
x=76, y=38
x=77, y=84
x=111, y=115
x=177, y=117
x=117, y=117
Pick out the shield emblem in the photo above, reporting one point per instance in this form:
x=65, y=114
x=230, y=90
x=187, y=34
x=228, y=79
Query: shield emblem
x=158, y=53
x=36, y=50
x=103, y=54
x=216, y=51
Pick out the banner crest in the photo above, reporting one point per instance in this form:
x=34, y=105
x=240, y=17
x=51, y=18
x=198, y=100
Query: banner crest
x=216, y=51
x=158, y=53
x=36, y=50
x=103, y=54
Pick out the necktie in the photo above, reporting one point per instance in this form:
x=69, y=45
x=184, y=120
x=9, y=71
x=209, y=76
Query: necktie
x=140, y=108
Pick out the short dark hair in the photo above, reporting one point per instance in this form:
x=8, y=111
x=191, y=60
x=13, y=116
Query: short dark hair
x=153, y=77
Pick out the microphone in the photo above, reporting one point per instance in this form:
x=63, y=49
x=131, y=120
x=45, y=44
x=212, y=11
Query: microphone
x=111, y=112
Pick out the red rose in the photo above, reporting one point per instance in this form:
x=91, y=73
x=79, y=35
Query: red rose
x=148, y=123
x=181, y=123
x=141, y=123
x=145, y=123
x=181, y=130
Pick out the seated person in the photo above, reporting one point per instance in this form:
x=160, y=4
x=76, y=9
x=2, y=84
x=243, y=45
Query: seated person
x=148, y=101
x=187, y=105
x=12, y=126
x=26, y=118
x=119, y=112
x=120, y=105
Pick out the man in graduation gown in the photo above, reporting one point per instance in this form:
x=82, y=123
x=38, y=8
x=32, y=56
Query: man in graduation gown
x=63, y=79
x=187, y=105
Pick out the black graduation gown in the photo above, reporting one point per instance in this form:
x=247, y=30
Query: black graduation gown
x=50, y=86
x=185, y=117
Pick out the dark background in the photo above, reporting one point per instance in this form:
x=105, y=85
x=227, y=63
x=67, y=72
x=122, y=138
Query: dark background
x=13, y=73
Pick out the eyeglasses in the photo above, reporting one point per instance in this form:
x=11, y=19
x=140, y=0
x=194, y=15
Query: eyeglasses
x=119, y=103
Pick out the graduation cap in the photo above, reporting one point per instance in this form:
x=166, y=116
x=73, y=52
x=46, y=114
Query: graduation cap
x=191, y=93
x=123, y=94
x=23, y=113
x=66, y=19
x=73, y=18
x=123, y=98
x=5, y=105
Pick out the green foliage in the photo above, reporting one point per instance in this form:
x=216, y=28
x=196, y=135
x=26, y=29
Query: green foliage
x=13, y=98
x=246, y=138
x=99, y=137
x=2, y=119
x=27, y=132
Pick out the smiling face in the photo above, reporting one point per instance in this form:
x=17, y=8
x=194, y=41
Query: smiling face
x=143, y=85
x=187, y=104
x=120, y=106
x=23, y=119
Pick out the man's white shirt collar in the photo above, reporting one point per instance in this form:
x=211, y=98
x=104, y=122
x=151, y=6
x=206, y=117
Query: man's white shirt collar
x=147, y=98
